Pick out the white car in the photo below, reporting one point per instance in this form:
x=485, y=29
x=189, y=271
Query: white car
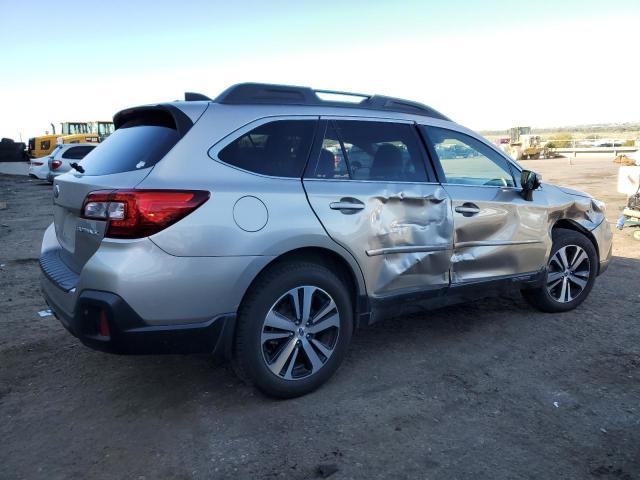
x=59, y=160
x=38, y=168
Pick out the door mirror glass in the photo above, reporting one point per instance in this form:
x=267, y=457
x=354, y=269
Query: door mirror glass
x=530, y=181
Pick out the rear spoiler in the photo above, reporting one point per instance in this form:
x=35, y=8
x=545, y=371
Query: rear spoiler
x=160, y=115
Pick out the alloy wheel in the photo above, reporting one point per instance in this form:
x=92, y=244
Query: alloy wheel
x=300, y=332
x=568, y=273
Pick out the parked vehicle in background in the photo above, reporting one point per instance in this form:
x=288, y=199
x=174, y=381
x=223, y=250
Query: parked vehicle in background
x=70, y=132
x=59, y=161
x=64, y=155
x=38, y=168
x=242, y=227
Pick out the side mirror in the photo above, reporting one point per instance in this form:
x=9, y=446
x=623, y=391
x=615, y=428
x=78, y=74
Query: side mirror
x=529, y=181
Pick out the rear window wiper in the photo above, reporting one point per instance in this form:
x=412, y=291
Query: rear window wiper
x=77, y=166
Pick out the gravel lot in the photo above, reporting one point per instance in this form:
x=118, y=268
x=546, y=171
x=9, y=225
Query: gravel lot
x=488, y=390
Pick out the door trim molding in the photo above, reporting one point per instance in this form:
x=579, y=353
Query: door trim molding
x=408, y=249
x=494, y=243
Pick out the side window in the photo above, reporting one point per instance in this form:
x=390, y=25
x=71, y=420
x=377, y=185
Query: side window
x=468, y=161
x=278, y=148
x=363, y=150
x=76, y=153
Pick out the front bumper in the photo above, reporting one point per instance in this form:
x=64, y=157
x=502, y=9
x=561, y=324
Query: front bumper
x=604, y=240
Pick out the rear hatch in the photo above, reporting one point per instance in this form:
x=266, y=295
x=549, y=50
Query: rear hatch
x=142, y=138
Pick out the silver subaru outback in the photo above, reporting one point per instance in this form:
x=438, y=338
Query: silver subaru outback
x=266, y=225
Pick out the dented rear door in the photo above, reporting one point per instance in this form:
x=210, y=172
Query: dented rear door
x=400, y=231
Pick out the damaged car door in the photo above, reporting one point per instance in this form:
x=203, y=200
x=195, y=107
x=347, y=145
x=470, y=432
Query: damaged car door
x=367, y=181
x=497, y=233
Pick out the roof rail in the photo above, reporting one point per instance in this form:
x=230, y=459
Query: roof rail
x=267, y=94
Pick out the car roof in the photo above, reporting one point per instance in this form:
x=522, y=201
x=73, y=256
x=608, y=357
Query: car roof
x=69, y=145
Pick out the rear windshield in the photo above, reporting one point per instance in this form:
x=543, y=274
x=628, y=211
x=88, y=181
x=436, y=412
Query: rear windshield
x=77, y=153
x=130, y=147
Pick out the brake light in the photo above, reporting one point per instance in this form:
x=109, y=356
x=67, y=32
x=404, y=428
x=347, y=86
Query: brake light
x=55, y=164
x=140, y=213
x=36, y=164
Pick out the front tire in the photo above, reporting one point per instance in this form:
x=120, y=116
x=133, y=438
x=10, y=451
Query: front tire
x=570, y=274
x=294, y=329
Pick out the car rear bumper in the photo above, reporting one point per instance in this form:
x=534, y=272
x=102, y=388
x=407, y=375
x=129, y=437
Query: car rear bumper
x=104, y=321
x=152, y=302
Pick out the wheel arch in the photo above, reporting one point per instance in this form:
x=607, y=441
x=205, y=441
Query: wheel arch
x=351, y=274
x=568, y=224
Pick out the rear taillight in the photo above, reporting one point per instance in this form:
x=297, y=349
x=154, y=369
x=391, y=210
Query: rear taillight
x=55, y=164
x=36, y=164
x=140, y=213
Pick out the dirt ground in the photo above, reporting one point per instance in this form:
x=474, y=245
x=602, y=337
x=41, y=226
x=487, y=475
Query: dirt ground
x=488, y=390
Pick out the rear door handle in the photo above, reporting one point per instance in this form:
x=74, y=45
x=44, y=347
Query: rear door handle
x=468, y=209
x=347, y=204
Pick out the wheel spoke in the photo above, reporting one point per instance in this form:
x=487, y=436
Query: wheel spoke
x=320, y=346
x=266, y=336
x=307, y=296
x=562, y=256
x=282, y=356
x=296, y=302
x=581, y=274
x=313, y=357
x=563, y=291
x=318, y=316
x=276, y=320
x=324, y=323
x=578, y=281
x=578, y=258
x=292, y=362
x=553, y=278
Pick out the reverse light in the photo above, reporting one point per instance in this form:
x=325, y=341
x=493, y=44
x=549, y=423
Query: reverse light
x=55, y=164
x=140, y=213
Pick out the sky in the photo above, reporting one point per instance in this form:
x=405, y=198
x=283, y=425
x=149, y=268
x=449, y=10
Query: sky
x=485, y=64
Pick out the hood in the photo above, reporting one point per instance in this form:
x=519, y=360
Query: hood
x=571, y=191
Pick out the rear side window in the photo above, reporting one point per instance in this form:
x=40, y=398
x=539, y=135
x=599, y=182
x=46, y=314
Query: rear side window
x=278, y=149
x=130, y=147
x=76, y=153
x=373, y=151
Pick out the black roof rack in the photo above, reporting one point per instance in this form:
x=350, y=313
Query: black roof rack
x=267, y=94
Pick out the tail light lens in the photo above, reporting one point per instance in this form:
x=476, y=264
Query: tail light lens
x=140, y=213
x=55, y=164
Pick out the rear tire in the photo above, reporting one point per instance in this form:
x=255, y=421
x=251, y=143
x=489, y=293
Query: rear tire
x=294, y=329
x=569, y=276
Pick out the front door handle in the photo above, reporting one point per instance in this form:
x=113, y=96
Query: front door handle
x=347, y=205
x=468, y=209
